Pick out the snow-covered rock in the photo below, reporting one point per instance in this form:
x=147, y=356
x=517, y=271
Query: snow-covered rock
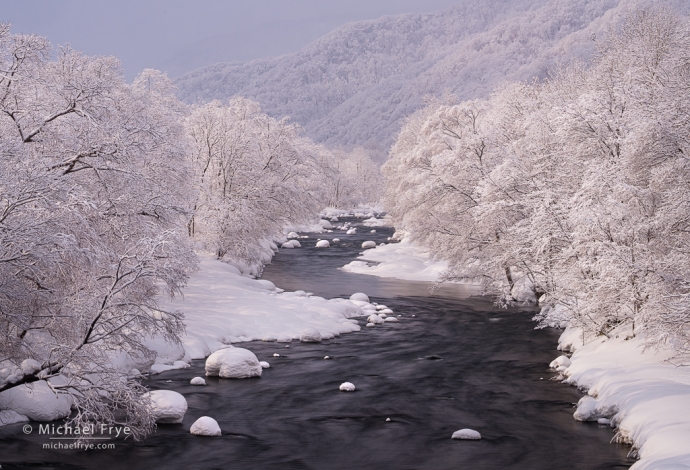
x=390, y=319
x=310, y=335
x=467, y=434
x=30, y=366
x=373, y=318
x=387, y=311
x=325, y=224
x=205, y=426
x=373, y=231
x=370, y=325
x=293, y=235
x=37, y=401
x=158, y=368
x=11, y=417
x=291, y=244
x=561, y=363
x=369, y=244
x=351, y=231
x=323, y=244
x=334, y=219
x=264, y=365
x=233, y=363
x=167, y=406
x=197, y=381
x=360, y=297
x=587, y=409
x=347, y=387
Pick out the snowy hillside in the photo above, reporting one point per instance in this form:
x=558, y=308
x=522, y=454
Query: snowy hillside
x=355, y=85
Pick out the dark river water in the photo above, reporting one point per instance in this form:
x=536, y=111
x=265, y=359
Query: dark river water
x=458, y=363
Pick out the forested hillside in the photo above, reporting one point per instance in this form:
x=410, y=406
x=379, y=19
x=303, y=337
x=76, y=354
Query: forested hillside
x=355, y=85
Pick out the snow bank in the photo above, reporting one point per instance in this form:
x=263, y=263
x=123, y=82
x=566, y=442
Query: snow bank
x=642, y=394
x=37, y=401
x=233, y=363
x=387, y=221
x=205, y=426
x=167, y=406
x=402, y=260
x=222, y=307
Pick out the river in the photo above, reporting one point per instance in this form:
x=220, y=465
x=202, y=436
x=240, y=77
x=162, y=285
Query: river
x=453, y=361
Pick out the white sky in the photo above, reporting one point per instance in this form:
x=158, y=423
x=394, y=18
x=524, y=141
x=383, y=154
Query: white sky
x=180, y=35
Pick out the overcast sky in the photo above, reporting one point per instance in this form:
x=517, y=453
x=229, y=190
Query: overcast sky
x=180, y=35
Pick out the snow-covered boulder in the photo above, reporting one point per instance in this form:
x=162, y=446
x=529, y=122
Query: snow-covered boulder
x=291, y=244
x=373, y=231
x=264, y=365
x=11, y=417
x=587, y=409
x=351, y=231
x=467, y=434
x=370, y=325
x=323, y=244
x=359, y=296
x=369, y=244
x=167, y=406
x=30, y=366
x=325, y=224
x=205, y=426
x=293, y=235
x=336, y=240
x=310, y=335
x=390, y=319
x=373, y=318
x=334, y=219
x=37, y=401
x=197, y=381
x=347, y=387
x=233, y=363
x=387, y=311
x=561, y=363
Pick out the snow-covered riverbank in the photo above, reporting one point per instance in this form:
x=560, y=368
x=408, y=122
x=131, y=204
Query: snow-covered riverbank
x=402, y=260
x=644, y=393
x=221, y=307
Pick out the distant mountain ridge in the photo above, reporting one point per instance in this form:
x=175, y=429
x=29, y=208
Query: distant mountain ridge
x=355, y=85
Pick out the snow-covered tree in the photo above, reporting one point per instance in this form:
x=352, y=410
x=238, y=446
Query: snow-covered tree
x=94, y=194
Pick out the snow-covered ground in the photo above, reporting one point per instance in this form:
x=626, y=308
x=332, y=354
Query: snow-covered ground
x=644, y=393
x=221, y=307
x=402, y=260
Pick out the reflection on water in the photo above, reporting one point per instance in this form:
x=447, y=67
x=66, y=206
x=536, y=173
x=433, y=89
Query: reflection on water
x=459, y=362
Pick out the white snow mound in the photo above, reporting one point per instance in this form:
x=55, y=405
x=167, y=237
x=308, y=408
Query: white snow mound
x=197, y=381
x=359, y=296
x=468, y=434
x=37, y=401
x=264, y=365
x=205, y=426
x=323, y=244
x=233, y=363
x=347, y=387
x=369, y=244
x=310, y=335
x=167, y=406
x=373, y=318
